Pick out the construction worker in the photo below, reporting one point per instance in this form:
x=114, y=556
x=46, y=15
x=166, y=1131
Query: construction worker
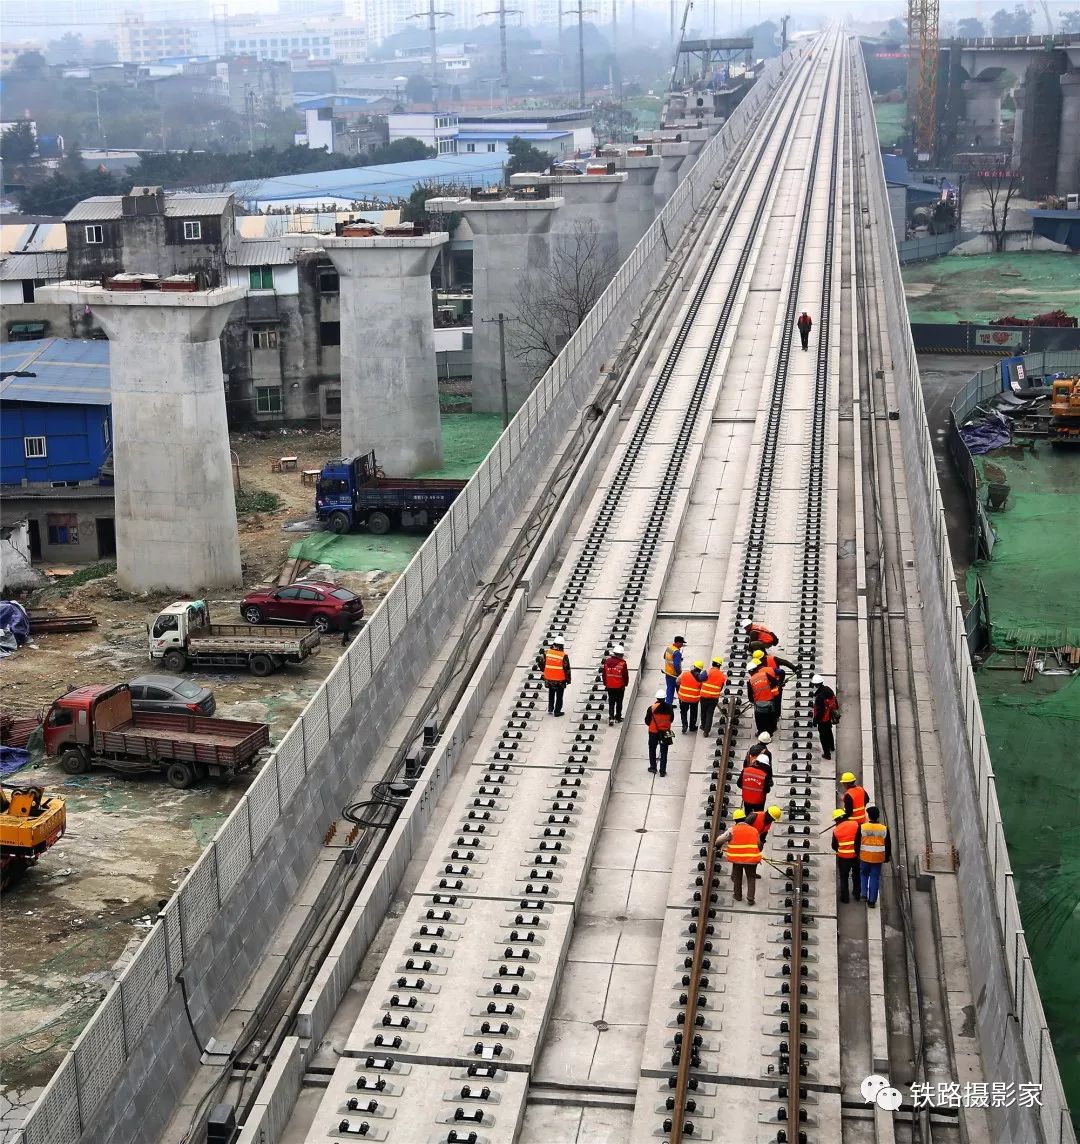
x=616, y=676
x=855, y=798
x=826, y=715
x=556, y=667
x=658, y=718
x=778, y=666
x=672, y=667
x=759, y=633
x=875, y=849
x=761, y=751
x=690, y=696
x=763, y=689
x=762, y=821
x=845, y=843
x=712, y=687
x=805, y=324
x=755, y=782
x=744, y=853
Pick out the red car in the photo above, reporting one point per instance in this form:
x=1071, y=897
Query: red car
x=314, y=602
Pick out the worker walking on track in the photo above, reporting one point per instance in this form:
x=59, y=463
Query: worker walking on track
x=805, y=324
x=659, y=718
x=755, y=782
x=743, y=851
x=672, y=667
x=763, y=689
x=826, y=715
x=690, y=696
x=855, y=797
x=763, y=820
x=845, y=844
x=712, y=687
x=616, y=677
x=875, y=849
x=556, y=667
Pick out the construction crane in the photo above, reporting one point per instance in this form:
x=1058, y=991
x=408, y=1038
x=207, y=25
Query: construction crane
x=923, y=42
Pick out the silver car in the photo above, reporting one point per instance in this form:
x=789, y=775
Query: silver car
x=170, y=695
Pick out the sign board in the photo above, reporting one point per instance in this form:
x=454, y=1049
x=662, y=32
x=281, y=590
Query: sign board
x=999, y=337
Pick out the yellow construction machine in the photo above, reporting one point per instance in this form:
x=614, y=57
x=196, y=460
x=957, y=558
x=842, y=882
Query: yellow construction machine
x=30, y=822
x=1065, y=410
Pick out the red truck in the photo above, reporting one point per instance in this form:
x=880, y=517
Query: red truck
x=97, y=725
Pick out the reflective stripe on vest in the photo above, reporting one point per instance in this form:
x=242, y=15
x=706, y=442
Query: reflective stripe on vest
x=744, y=849
x=753, y=785
x=872, y=842
x=689, y=688
x=844, y=832
x=761, y=686
x=554, y=665
x=669, y=659
x=858, y=803
x=658, y=720
x=713, y=684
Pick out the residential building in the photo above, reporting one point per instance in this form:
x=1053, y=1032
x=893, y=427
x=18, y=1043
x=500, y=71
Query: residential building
x=141, y=41
x=270, y=39
x=438, y=131
x=56, y=447
x=10, y=51
x=343, y=124
x=385, y=17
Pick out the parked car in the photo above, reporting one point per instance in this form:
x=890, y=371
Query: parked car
x=168, y=695
x=322, y=605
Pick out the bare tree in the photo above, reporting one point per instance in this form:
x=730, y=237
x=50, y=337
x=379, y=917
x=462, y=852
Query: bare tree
x=552, y=302
x=1000, y=186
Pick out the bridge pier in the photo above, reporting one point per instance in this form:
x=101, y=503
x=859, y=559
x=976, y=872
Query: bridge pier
x=672, y=155
x=1020, y=97
x=983, y=100
x=1068, y=170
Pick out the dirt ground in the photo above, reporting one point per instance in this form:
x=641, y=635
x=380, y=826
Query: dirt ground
x=69, y=921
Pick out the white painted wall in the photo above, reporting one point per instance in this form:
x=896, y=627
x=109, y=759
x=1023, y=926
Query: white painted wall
x=15, y=570
x=286, y=279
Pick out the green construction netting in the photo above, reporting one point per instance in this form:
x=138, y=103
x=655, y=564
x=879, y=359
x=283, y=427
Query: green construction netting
x=1032, y=581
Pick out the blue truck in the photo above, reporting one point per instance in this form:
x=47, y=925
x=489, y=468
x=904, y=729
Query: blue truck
x=354, y=493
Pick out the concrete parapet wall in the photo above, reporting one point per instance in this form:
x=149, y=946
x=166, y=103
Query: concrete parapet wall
x=1013, y=1036
x=123, y=1079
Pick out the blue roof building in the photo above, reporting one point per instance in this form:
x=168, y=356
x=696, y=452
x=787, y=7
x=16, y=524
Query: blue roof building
x=1058, y=226
x=55, y=423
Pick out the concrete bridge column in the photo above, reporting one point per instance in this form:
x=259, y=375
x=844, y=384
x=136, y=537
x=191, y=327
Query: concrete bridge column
x=510, y=239
x=590, y=199
x=696, y=139
x=672, y=157
x=389, y=380
x=1068, y=170
x=1020, y=96
x=175, y=512
x=983, y=101
x=635, y=207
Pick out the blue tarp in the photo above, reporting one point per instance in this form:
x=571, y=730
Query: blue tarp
x=13, y=618
x=12, y=759
x=986, y=434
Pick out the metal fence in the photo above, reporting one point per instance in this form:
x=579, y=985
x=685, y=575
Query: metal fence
x=930, y=245
x=94, y=1065
x=960, y=725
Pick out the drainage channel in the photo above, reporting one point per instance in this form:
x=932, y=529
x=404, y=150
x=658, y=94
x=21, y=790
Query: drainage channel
x=683, y=1107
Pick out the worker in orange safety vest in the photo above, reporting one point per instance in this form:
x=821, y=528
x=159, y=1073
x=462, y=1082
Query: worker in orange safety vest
x=763, y=689
x=616, y=677
x=672, y=667
x=555, y=665
x=759, y=633
x=755, y=782
x=763, y=820
x=690, y=696
x=712, y=687
x=743, y=851
x=845, y=844
x=875, y=849
x=855, y=797
x=659, y=718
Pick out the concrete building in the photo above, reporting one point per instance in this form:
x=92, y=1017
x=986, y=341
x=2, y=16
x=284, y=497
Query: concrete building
x=141, y=41
x=56, y=453
x=175, y=512
x=436, y=131
x=389, y=385
x=271, y=38
x=344, y=124
x=16, y=566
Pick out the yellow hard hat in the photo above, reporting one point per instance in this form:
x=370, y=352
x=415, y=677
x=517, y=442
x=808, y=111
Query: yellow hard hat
x=775, y=813
x=699, y=663
x=838, y=814
x=739, y=815
x=758, y=655
x=717, y=661
x=847, y=777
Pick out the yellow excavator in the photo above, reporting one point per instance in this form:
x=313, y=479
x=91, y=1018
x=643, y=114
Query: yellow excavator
x=1065, y=411
x=31, y=821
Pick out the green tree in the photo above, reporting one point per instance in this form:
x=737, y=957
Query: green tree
x=970, y=28
x=57, y=194
x=524, y=157
x=30, y=64
x=69, y=49
x=1014, y=23
x=18, y=144
x=418, y=89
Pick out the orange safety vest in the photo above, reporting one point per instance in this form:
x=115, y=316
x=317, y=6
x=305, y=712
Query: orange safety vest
x=872, y=842
x=744, y=849
x=689, y=687
x=669, y=659
x=761, y=634
x=753, y=784
x=763, y=685
x=844, y=832
x=659, y=721
x=713, y=684
x=761, y=822
x=615, y=673
x=858, y=803
x=555, y=665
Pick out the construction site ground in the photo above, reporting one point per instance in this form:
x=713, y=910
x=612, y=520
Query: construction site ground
x=66, y=925
x=981, y=287
x=891, y=121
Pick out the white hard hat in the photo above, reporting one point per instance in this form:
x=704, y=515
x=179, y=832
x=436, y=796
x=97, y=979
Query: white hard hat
x=764, y=737
x=618, y=649
x=818, y=679
x=661, y=694
x=556, y=641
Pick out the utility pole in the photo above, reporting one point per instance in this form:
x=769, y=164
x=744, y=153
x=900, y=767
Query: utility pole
x=581, y=52
x=504, y=66
x=431, y=13
x=783, y=33
x=502, y=319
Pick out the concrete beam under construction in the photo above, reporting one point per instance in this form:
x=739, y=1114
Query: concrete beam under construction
x=636, y=204
x=696, y=138
x=175, y=512
x=511, y=239
x=389, y=379
x=591, y=201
